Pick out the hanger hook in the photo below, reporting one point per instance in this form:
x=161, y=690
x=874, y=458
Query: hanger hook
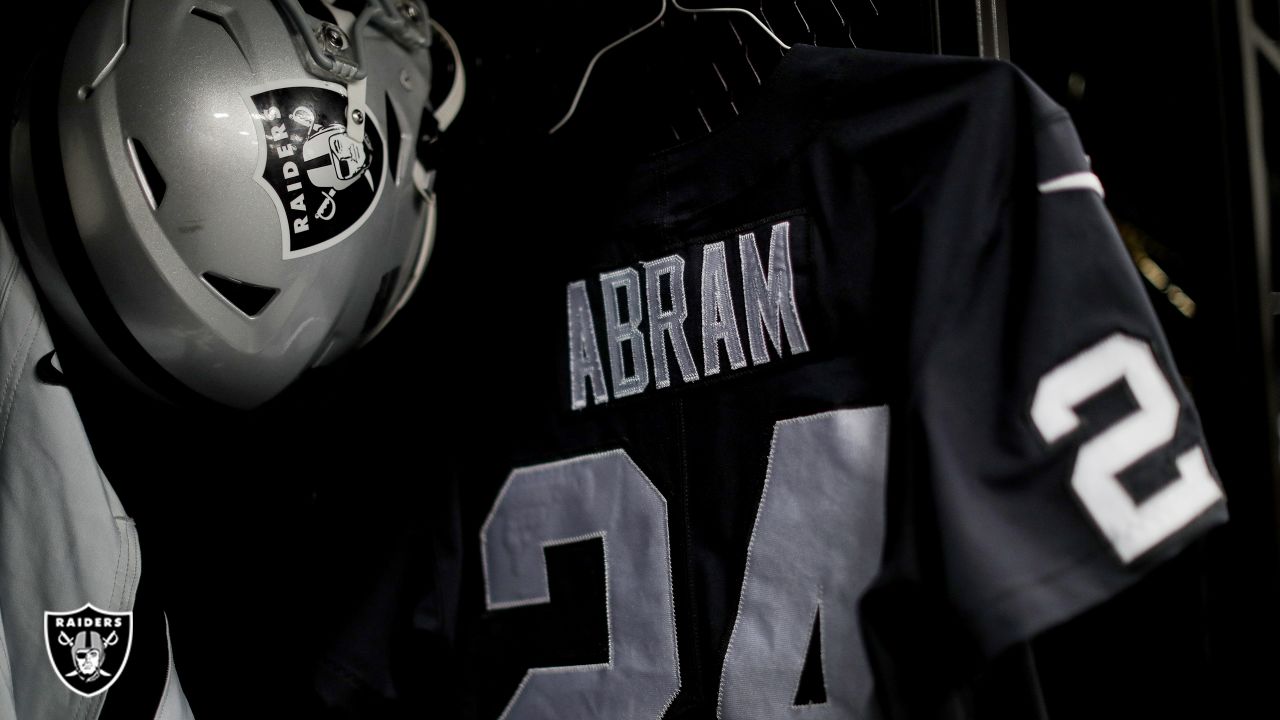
x=577, y=97
x=748, y=13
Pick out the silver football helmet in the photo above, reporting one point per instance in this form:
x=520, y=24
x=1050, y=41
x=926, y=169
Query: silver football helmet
x=216, y=195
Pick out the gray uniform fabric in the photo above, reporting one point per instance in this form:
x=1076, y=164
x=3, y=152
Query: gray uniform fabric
x=65, y=539
x=173, y=704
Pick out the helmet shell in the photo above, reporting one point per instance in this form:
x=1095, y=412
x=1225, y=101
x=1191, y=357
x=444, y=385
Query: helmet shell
x=223, y=275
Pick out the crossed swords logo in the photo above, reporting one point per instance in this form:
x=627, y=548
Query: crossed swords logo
x=88, y=648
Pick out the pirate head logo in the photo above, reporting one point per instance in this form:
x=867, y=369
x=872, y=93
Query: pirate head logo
x=323, y=182
x=88, y=648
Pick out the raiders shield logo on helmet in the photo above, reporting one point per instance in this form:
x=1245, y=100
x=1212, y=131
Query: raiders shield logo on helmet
x=324, y=183
x=88, y=648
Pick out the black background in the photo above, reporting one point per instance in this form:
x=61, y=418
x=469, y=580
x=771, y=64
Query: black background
x=264, y=531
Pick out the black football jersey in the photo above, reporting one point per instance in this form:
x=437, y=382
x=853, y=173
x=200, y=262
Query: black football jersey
x=865, y=376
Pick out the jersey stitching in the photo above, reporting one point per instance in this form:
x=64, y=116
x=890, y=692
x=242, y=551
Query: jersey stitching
x=935, y=331
x=955, y=302
x=816, y=626
x=22, y=338
x=6, y=289
x=122, y=561
x=688, y=551
x=168, y=669
x=746, y=568
x=1011, y=592
x=608, y=619
x=818, y=618
x=746, y=574
x=671, y=583
x=11, y=389
x=1093, y=556
x=135, y=561
x=6, y=663
x=666, y=531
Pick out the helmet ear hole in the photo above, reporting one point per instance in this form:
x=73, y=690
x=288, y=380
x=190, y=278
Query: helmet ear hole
x=246, y=297
x=149, y=177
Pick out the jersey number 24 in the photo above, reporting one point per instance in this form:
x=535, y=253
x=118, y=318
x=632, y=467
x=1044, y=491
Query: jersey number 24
x=815, y=547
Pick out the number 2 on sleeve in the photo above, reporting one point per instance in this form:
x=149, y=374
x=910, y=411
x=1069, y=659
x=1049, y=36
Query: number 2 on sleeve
x=1132, y=528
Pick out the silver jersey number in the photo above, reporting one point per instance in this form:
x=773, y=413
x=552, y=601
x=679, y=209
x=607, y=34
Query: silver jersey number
x=608, y=497
x=815, y=548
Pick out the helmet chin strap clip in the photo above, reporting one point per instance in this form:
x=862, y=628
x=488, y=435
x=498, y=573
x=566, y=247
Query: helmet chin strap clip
x=336, y=52
x=356, y=112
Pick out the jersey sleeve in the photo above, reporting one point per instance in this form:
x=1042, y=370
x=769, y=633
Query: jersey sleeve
x=65, y=537
x=1061, y=454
